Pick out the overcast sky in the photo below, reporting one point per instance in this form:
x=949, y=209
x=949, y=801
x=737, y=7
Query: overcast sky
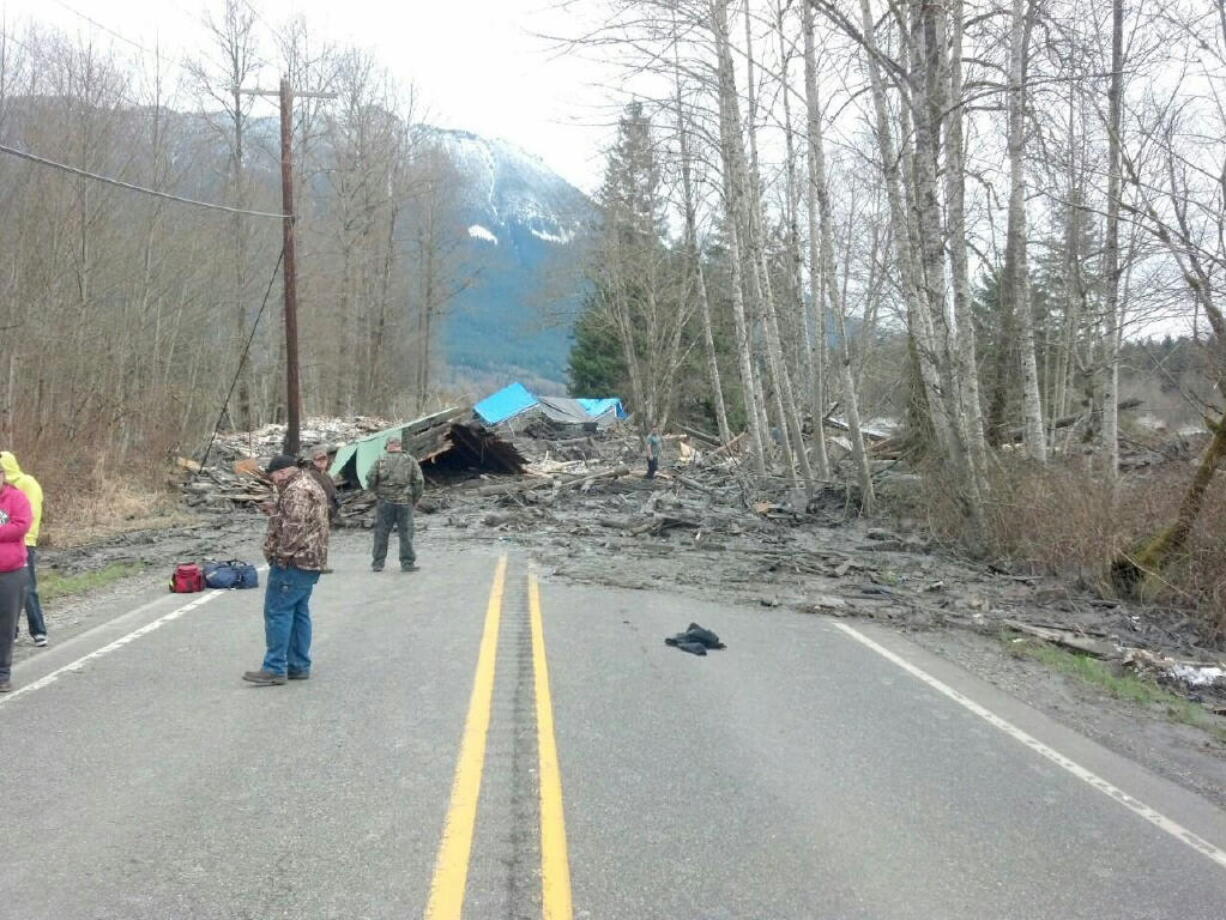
x=477, y=63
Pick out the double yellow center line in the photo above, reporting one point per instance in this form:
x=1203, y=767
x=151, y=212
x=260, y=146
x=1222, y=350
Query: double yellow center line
x=451, y=868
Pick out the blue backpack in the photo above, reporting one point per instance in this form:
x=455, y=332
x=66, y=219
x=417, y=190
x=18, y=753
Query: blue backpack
x=232, y=574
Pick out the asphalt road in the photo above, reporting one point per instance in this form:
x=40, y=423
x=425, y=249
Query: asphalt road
x=434, y=766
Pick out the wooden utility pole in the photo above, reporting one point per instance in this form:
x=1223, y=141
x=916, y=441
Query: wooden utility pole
x=293, y=395
x=293, y=398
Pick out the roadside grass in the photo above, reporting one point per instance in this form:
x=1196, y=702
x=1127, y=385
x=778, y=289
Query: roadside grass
x=1128, y=687
x=53, y=585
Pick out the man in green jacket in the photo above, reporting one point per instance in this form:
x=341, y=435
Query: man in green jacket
x=397, y=482
x=34, y=493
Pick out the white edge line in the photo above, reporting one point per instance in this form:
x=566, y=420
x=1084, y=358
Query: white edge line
x=117, y=644
x=1153, y=816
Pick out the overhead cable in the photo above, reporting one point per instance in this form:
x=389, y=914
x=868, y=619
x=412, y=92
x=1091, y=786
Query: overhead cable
x=97, y=25
x=242, y=361
x=43, y=161
x=156, y=53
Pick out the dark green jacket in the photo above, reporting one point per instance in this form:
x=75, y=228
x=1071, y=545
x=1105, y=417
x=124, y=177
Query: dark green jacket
x=397, y=478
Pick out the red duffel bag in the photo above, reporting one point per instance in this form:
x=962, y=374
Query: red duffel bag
x=187, y=578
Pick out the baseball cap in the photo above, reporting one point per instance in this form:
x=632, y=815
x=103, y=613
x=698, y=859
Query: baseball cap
x=280, y=462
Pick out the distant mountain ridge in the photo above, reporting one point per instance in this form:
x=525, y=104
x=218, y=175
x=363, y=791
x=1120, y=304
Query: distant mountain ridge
x=516, y=226
x=523, y=228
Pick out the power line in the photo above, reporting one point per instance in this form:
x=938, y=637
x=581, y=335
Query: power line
x=43, y=161
x=97, y=25
x=8, y=36
x=242, y=360
x=122, y=95
x=157, y=55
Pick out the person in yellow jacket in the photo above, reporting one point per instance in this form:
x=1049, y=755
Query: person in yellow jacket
x=34, y=493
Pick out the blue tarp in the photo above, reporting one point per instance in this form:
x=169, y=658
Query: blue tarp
x=598, y=407
x=506, y=403
x=515, y=399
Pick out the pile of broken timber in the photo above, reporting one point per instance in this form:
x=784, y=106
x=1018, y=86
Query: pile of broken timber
x=542, y=481
x=216, y=488
x=443, y=439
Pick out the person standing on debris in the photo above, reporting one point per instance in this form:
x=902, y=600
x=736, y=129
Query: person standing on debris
x=655, y=449
x=397, y=482
x=34, y=493
x=15, y=520
x=296, y=548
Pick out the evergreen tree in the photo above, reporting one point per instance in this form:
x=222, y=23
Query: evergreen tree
x=638, y=281
x=597, y=367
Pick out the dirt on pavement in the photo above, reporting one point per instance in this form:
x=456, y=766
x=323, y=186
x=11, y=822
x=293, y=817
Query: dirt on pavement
x=704, y=528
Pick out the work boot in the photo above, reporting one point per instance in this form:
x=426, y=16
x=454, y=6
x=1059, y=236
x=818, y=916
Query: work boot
x=299, y=675
x=376, y=568
x=411, y=567
x=264, y=678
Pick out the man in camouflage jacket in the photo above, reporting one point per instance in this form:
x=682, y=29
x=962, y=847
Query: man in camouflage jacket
x=397, y=482
x=296, y=548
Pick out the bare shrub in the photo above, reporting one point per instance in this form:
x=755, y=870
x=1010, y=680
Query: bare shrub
x=89, y=493
x=1065, y=520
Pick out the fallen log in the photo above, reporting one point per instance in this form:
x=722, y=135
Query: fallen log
x=1017, y=435
x=869, y=433
x=697, y=435
x=664, y=522
x=731, y=446
x=655, y=524
x=583, y=481
x=696, y=486
x=521, y=485
x=548, y=482
x=1099, y=648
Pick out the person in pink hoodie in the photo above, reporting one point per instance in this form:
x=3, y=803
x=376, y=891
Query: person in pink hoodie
x=15, y=520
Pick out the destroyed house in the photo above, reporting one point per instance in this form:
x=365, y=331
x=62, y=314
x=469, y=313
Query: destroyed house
x=522, y=410
x=442, y=441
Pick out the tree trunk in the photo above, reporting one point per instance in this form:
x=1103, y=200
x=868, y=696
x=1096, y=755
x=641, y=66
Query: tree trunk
x=966, y=370
x=1016, y=286
x=928, y=61
x=1133, y=573
x=797, y=332
x=816, y=294
x=1111, y=251
x=791, y=432
x=730, y=144
x=818, y=190
x=902, y=216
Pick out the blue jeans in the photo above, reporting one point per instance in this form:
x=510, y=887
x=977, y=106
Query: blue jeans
x=287, y=619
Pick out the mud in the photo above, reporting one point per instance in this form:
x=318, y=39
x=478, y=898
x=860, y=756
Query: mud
x=704, y=529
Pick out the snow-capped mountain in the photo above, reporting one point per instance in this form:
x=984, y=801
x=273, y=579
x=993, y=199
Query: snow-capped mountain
x=512, y=231
x=508, y=186
x=522, y=226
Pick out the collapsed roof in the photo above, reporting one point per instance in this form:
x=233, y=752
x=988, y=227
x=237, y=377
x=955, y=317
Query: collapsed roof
x=443, y=437
x=517, y=400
